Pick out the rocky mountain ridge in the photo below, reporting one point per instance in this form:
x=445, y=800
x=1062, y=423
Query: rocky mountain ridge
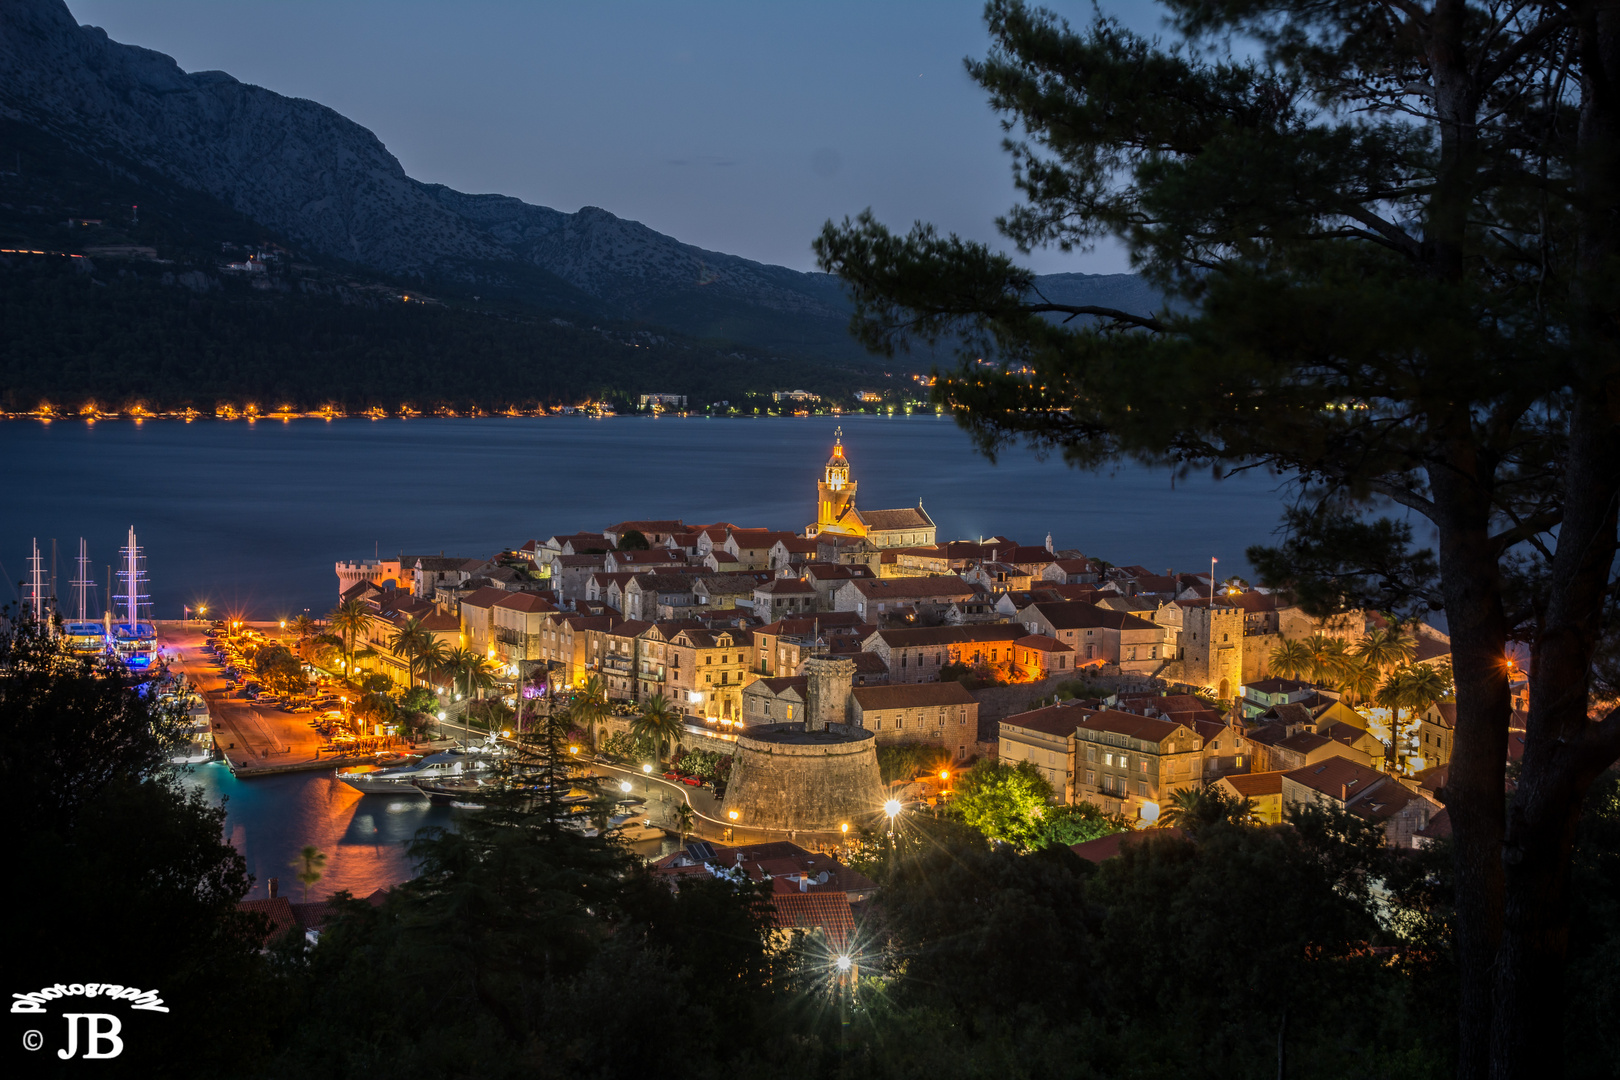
x=317, y=177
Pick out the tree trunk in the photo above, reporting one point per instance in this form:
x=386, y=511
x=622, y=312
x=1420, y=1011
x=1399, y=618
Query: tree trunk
x=1471, y=586
x=1564, y=753
x=1564, y=749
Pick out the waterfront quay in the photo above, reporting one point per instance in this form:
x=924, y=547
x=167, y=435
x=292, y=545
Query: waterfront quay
x=251, y=738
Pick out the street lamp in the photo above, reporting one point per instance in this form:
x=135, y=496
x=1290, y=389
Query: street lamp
x=843, y=963
x=646, y=772
x=892, y=809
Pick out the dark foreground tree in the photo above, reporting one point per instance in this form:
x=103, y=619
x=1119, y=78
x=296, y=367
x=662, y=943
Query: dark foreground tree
x=121, y=874
x=1389, y=241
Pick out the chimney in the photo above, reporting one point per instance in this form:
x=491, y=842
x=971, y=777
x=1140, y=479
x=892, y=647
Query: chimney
x=274, y=886
x=804, y=882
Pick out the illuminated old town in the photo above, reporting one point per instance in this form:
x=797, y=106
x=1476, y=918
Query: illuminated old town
x=937, y=539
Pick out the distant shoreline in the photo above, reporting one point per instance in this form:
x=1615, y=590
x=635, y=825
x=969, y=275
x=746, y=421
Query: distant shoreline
x=576, y=414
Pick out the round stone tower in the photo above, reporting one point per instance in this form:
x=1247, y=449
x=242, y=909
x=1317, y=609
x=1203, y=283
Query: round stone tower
x=787, y=777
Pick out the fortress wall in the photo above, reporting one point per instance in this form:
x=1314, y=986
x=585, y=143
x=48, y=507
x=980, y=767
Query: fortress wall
x=811, y=785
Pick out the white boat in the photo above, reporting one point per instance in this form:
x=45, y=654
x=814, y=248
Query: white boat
x=394, y=780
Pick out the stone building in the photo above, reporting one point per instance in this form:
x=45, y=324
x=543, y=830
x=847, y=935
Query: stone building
x=1347, y=785
x=915, y=654
x=1100, y=636
x=1133, y=764
x=934, y=714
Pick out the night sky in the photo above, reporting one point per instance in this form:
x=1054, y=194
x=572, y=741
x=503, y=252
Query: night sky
x=739, y=127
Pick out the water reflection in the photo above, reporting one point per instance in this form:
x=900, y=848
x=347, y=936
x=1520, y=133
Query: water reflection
x=268, y=819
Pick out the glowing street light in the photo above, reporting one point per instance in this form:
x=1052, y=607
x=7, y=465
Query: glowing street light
x=892, y=808
x=573, y=749
x=843, y=963
x=624, y=786
x=732, y=815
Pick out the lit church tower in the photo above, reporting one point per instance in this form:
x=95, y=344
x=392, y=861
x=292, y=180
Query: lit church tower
x=836, y=512
x=836, y=492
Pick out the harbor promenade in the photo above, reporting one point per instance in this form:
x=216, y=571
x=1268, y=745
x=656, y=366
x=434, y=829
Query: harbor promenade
x=254, y=740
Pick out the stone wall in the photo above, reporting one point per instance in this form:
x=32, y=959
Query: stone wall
x=786, y=778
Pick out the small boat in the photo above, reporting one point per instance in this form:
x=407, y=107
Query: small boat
x=635, y=831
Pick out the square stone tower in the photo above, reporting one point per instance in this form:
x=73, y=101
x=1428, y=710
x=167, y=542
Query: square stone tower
x=826, y=693
x=1213, y=640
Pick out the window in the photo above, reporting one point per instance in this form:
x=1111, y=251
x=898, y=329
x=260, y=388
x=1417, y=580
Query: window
x=1091, y=778
x=1108, y=759
x=961, y=752
x=1091, y=753
x=899, y=722
x=1141, y=788
x=877, y=725
x=1051, y=758
x=1143, y=765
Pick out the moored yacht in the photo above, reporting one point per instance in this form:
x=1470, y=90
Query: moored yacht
x=392, y=780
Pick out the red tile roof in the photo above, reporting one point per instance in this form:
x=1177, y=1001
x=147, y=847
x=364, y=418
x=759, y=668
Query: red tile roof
x=1254, y=785
x=828, y=912
x=912, y=696
x=1147, y=728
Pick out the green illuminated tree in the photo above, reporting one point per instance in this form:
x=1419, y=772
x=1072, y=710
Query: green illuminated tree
x=1004, y=802
x=1388, y=234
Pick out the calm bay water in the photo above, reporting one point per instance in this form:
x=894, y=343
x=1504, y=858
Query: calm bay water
x=251, y=518
x=271, y=818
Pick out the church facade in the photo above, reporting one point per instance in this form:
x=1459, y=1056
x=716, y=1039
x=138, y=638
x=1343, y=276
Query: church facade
x=837, y=514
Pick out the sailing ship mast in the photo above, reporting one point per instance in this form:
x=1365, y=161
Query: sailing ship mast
x=37, y=588
x=82, y=583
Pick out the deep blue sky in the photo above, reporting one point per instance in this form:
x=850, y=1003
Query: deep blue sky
x=738, y=127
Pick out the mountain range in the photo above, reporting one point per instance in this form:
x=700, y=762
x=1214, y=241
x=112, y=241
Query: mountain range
x=308, y=174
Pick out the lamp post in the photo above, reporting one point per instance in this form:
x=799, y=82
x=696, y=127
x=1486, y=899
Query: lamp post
x=892, y=809
x=646, y=773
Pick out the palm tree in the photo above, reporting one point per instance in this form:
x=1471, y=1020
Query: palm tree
x=348, y=620
x=469, y=666
x=406, y=642
x=658, y=724
x=302, y=626
x=1414, y=687
x=1290, y=659
x=1197, y=807
x=590, y=705
x=432, y=656
x=310, y=861
x=685, y=821
x=1327, y=658
x=1359, y=679
x=1387, y=649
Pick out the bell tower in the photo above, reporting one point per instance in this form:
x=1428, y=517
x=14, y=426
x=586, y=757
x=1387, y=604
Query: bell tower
x=835, y=494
